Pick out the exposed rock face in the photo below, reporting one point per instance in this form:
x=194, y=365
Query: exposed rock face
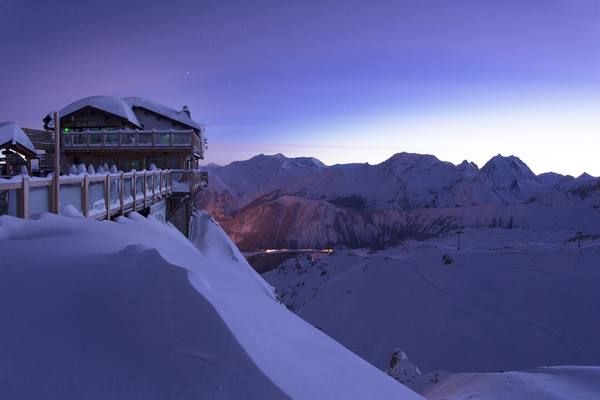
x=401, y=369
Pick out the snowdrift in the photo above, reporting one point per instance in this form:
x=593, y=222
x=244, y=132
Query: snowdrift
x=131, y=309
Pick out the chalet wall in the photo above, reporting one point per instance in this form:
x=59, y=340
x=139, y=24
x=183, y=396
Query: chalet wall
x=90, y=119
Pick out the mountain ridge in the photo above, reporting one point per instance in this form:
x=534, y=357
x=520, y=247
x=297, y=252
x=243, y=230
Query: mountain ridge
x=408, y=195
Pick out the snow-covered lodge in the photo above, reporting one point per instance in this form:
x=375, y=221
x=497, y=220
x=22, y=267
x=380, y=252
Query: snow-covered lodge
x=115, y=155
x=130, y=133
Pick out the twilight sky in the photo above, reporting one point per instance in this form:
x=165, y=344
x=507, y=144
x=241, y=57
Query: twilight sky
x=342, y=81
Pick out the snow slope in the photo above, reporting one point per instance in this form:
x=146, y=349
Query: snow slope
x=510, y=299
x=550, y=383
x=553, y=383
x=131, y=309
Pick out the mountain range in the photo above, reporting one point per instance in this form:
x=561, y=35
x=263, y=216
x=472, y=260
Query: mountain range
x=271, y=202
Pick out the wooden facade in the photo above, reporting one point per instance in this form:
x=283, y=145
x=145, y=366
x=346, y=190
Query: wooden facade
x=96, y=137
x=132, y=134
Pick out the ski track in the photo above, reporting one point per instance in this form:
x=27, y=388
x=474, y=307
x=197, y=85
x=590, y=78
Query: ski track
x=565, y=341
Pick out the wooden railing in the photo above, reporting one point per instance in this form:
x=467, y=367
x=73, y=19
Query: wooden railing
x=189, y=181
x=41, y=140
x=134, y=140
x=99, y=196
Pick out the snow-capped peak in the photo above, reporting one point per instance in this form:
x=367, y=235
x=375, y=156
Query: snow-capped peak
x=505, y=170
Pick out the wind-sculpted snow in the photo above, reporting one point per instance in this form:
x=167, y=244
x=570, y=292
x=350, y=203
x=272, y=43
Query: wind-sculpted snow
x=212, y=241
x=509, y=299
x=130, y=309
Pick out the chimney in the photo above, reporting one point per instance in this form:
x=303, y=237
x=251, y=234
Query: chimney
x=187, y=111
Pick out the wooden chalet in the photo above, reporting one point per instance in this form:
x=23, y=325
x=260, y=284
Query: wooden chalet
x=131, y=133
x=154, y=150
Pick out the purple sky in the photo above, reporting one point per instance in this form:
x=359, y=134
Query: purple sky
x=343, y=81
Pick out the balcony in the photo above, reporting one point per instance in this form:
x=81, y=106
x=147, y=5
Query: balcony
x=123, y=141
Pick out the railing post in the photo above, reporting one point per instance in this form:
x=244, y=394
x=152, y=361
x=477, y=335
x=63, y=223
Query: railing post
x=122, y=197
x=153, y=185
x=145, y=187
x=107, y=196
x=133, y=187
x=160, y=183
x=86, y=195
x=56, y=197
x=25, y=199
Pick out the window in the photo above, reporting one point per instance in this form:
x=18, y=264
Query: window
x=110, y=161
x=173, y=163
x=95, y=139
x=127, y=139
x=157, y=161
x=80, y=139
x=161, y=138
x=124, y=165
x=145, y=139
x=136, y=164
x=181, y=138
x=111, y=139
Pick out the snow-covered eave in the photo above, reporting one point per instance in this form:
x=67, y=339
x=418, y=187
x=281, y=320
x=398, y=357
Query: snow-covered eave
x=163, y=111
x=169, y=119
x=13, y=137
x=133, y=124
x=110, y=105
x=19, y=148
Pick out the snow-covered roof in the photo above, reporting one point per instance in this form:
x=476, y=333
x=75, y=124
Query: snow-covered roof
x=124, y=108
x=110, y=104
x=180, y=116
x=11, y=135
